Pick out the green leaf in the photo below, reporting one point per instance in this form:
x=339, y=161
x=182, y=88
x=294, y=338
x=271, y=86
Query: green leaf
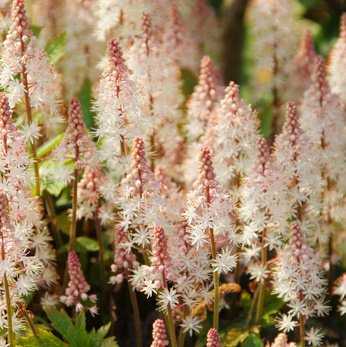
x=88, y=243
x=252, y=341
x=53, y=186
x=56, y=48
x=103, y=331
x=272, y=306
x=44, y=338
x=49, y=146
x=189, y=81
x=62, y=323
x=85, y=98
x=63, y=222
x=109, y=342
x=80, y=321
x=234, y=337
x=36, y=30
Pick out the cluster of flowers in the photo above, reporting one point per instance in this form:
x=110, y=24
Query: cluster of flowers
x=188, y=196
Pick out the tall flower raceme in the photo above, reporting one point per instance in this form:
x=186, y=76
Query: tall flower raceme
x=256, y=207
x=158, y=82
x=38, y=86
x=302, y=67
x=209, y=216
x=95, y=195
x=179, y=40
x=271, y=21
x=124, y=259
x=258, y=198
x=205, y=27
x=299, y=281
x=322, y=120
x=27, y=259
x=141, y=209
x=77, y=144
x=82, y=53
x=297, y=177
x=139, y=199
x=77, y=147
x=203, y=102
x=45, y=14
x=120, y=19
x=233, y=136
x=201, y=110
x=337, y=63
x=118, y=114
x=76, y=293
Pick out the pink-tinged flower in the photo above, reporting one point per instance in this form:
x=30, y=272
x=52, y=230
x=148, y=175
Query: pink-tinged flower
x=117, y=108
x=77, y=144
x=337, y=63
x=296, y=175
x=121, y=19
x=209, y=207
x=76, y=293
x=90, y=192
x=340, y=286
x=269, y=22
x=26, y=255
x=21, y=55
x=124, y=259
x=205, y=26
x=340, y=290
x=160, y=338
x=282, y=341
x=179, y=40
x=172, y=195
x=302, y=67
x=298, y=277
x=322, y=119
x=140, y=176
x=158, y=81
x=207, y=177
x=160, y=259
x=257, y=196
x=82, y=52
x=213, y=339
x=202, y=104
x=233, y=137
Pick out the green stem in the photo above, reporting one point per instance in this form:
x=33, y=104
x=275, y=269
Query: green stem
x=171, y=328
x=136, y=316
x=301, y=331
x=73, y=226
x=216, y=280
x=252, y=307
x=100, y=242
x=259, y=308
x=11, y=336
x=52, y=218
x=30, y=322
x=181, y=338
x=260, y=302
x=152, y=151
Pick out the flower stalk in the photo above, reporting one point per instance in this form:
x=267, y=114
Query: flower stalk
x=136, y=316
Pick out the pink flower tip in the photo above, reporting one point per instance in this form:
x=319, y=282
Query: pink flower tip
x=159, y=334
x=213, y=339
